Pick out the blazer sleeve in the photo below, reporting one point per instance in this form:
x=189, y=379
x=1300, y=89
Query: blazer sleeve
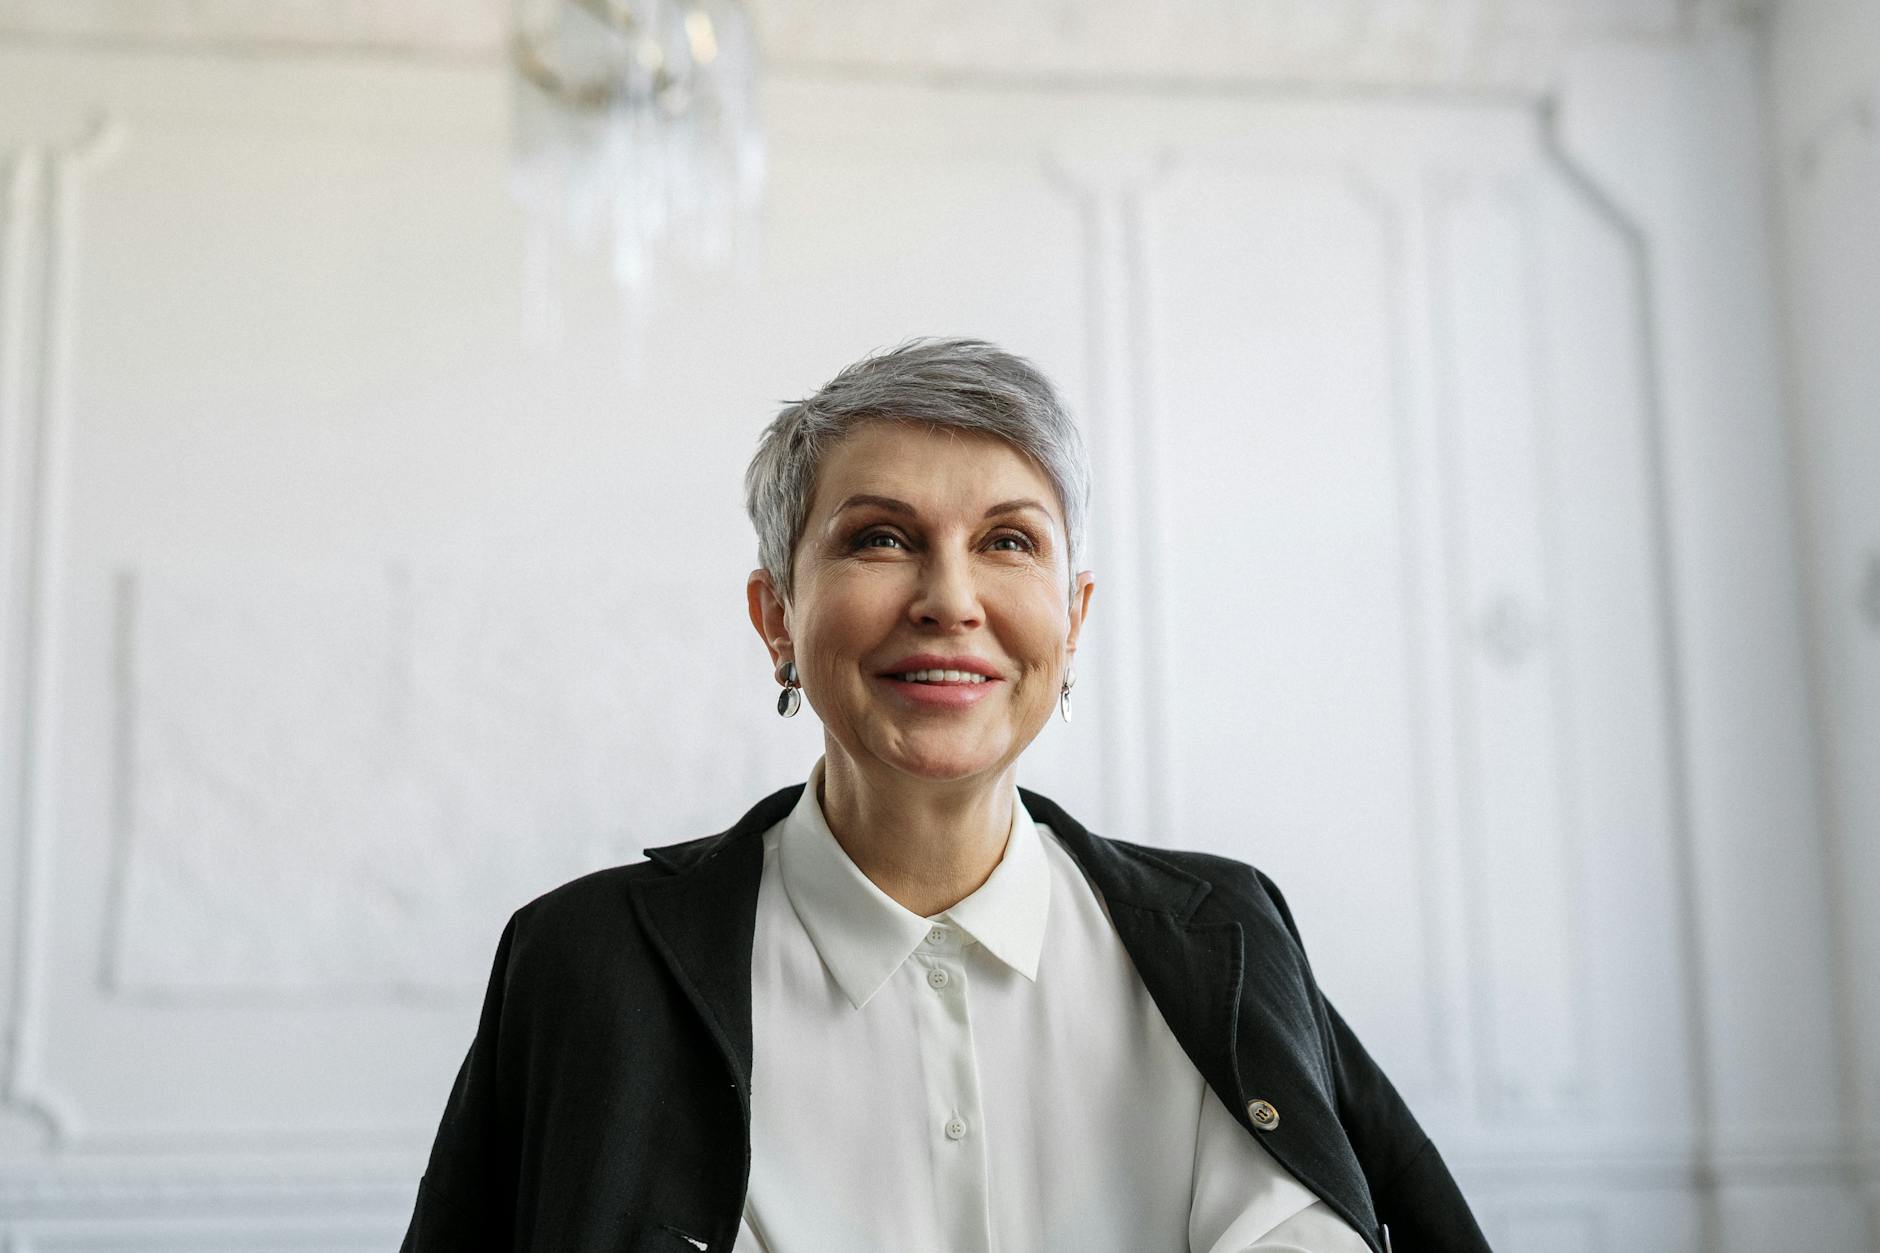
x=466, y=1197
x=1412, y=1190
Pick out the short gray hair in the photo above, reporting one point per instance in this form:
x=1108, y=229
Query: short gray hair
x=961, y=384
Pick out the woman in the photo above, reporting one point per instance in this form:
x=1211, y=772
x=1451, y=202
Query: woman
x=908, y=1005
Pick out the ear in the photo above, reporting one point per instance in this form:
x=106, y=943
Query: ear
x=769, y=616
x=1081, y=590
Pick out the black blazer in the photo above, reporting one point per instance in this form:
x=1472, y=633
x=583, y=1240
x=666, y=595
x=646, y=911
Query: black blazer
x=604, y=1104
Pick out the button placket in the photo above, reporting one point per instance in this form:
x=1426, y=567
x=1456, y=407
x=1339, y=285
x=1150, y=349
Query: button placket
x=950, y=1075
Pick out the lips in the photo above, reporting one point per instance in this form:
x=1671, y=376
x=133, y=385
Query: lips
x=938, y=661
x=940, y=693
x=937, y=697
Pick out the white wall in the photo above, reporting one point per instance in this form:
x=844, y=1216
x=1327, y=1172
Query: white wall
x=1445, y=535
x=1825, y=170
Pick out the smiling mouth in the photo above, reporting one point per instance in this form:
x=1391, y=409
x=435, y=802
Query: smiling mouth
x=940, y=677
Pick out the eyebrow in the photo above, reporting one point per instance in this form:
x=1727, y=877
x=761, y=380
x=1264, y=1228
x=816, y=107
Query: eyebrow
x=902, y=507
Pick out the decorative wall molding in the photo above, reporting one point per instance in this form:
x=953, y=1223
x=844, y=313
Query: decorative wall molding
x=22, y=258
x=1867, y=592
x=311, y=1236
x=1854, y=126
x=1396, y=209
x=1650, y=1162
x=1747, y=758
x=1581, y=182
x=1512, y=694
x=1374, y=193
x=1118, y=416
x=1824, y=99
x=1508, y=630
x=1445, y=44
x=1867, y=1177
x=41, y=240
x=1406, y=244
x=333, y=775
x=275, y=1189
x=429, y=27
x=1417, y=44
x=148, y=1188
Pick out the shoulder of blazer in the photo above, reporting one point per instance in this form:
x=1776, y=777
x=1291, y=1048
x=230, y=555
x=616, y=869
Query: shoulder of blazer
x=1219, y=890
x=1217, y=887
x=602, y=893
x=688, y=855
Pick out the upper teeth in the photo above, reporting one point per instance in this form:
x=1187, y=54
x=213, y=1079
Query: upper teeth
x=942, y=676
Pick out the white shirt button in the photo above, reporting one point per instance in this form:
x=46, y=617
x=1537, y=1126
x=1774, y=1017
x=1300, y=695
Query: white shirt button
x=938, y=978
x=956, y=1130
x=937, y=936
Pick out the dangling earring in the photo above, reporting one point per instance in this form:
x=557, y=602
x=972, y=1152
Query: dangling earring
x=790, y=699
x=1064, y=693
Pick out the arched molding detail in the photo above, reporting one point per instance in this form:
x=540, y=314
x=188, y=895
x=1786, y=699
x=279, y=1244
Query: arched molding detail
x=44, y=189
x=1118, y=415
x=1602, y=190
x=1509, y=624
x=1388, y=206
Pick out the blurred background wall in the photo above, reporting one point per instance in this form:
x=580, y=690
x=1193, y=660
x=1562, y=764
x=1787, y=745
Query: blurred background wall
x=1485, y=401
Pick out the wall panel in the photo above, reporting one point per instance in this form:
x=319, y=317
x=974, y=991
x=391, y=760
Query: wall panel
x=1825, y=165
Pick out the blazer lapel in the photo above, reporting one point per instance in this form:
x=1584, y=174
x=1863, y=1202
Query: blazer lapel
x=702, y=918
x=1235, y=1002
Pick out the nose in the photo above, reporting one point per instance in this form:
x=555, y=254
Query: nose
x=946, y=597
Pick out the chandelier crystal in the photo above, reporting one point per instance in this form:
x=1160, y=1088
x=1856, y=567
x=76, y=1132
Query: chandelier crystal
x=636, y=139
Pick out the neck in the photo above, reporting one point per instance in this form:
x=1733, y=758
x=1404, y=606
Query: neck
x=928, y=845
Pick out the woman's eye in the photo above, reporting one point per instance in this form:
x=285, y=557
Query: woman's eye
x=869, y=539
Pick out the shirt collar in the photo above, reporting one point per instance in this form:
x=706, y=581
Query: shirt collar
x=863, y=935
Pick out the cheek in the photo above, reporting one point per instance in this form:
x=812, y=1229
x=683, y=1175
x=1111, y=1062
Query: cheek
x=1039, y=631
x=845, y=618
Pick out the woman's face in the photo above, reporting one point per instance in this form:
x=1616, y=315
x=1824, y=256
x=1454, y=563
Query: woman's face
x=937, y=542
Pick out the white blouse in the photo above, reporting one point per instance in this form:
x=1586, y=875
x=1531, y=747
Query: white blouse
x=992, y=1080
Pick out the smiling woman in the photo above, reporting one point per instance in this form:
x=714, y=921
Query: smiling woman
x=907, y=1004
x=926, y=550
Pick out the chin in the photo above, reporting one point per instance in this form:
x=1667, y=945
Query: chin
x=943, y=762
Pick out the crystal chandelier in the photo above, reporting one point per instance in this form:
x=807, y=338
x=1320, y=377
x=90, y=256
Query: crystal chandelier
x=636, y=139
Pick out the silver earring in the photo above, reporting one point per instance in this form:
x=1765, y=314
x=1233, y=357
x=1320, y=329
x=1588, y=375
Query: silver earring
x=1064, y=693
x=791, y=698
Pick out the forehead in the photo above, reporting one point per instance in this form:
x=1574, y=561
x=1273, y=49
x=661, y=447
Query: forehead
x=934, y=469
